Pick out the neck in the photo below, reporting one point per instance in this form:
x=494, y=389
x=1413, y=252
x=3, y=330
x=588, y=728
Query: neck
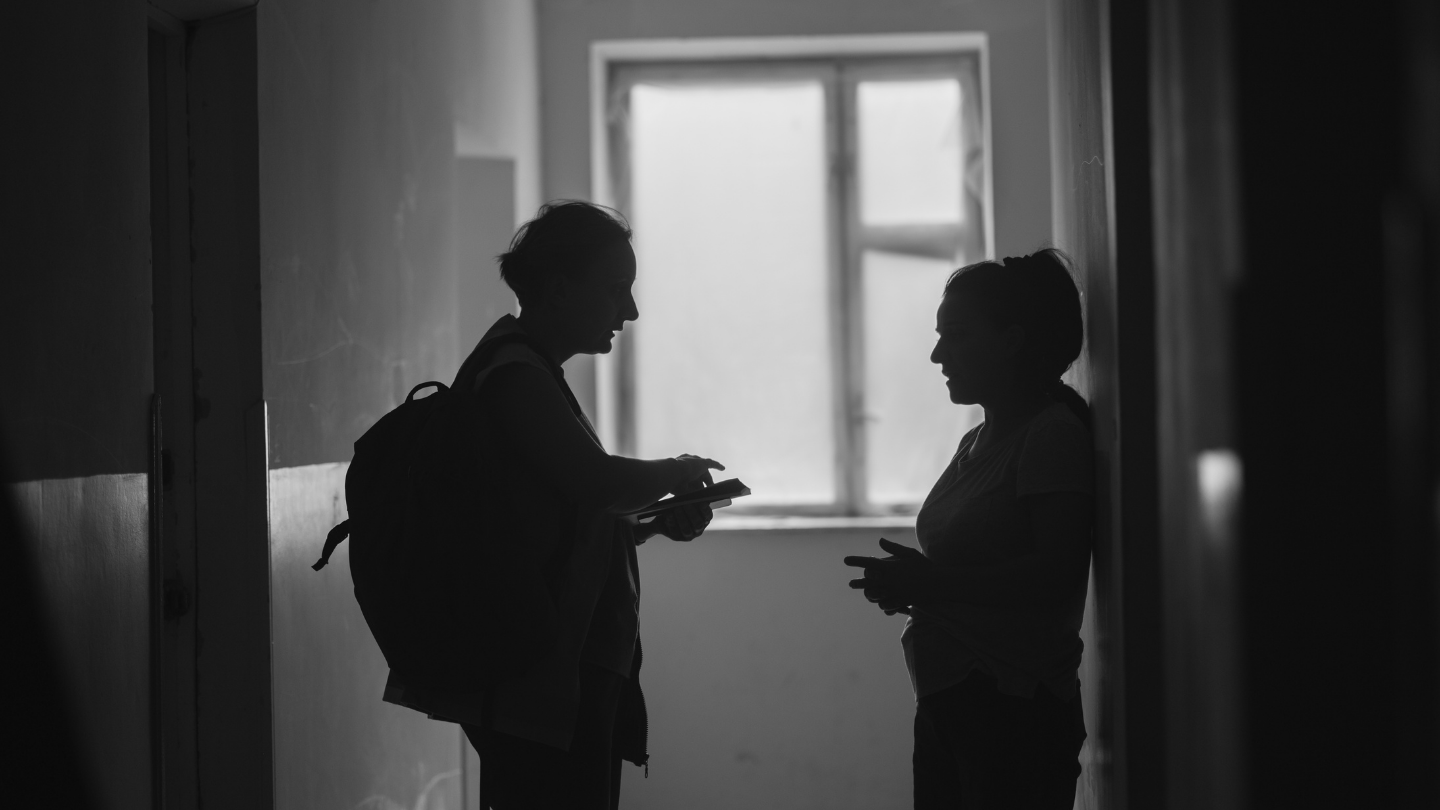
x=1007, y=412
x=545, y=332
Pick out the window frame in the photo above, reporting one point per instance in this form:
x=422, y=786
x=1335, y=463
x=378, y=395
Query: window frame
x=840, y=64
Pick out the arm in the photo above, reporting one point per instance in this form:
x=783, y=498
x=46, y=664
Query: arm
x=1060, y=522
x=546, y=436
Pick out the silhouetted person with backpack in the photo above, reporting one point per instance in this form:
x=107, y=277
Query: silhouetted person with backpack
x=489, y=550
x=996, y=592
x=554, y=738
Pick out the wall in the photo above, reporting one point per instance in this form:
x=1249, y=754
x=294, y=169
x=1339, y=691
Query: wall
x=369, y=251
x=336, y=743
x=1081, y=217
x=75, y=311
x=497, y=110
x=1018, y=81
x=1102, y=220
x=75, y=323
x=770, y=682
x=356, y=164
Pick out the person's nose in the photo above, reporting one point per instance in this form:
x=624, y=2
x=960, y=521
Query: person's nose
x=631, y=311
x=935, y=354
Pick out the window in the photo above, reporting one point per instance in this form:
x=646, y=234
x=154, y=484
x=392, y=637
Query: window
x=795, y=221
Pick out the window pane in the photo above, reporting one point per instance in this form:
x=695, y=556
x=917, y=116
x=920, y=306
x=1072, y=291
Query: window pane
x=912, y=427
x=733, y=344
x=910, y=166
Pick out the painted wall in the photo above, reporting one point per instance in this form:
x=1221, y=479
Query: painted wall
x=771, y=684
x=75, y=323
x=1018, y=86
x=357, y=152
x=373, y=278
x=1081, y=217
x=497, y=108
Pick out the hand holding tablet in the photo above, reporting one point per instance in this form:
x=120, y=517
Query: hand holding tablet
x=715, y=495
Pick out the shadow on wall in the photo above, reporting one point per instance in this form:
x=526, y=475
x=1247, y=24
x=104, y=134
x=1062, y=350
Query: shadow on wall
x=41, y=713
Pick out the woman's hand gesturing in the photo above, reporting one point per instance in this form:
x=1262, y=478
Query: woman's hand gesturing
x=896, y=582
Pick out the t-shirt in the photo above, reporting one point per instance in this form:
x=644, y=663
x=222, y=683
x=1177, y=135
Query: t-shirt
x=973, y=515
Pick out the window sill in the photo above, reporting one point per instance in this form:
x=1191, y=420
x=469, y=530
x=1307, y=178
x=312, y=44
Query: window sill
x=749, y=523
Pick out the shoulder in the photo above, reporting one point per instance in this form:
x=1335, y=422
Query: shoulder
x=506, y=362
x=1057, y=423
x=1057, y=454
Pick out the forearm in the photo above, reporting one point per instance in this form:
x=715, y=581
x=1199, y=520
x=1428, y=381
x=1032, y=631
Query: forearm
x=627, y=484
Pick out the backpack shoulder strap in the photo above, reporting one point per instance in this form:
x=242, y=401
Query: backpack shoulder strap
x=482, y=358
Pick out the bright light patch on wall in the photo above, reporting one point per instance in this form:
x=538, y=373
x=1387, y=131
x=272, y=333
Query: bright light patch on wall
x=1220, y=477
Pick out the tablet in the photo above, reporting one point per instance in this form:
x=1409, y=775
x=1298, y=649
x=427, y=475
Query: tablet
x=716, y=495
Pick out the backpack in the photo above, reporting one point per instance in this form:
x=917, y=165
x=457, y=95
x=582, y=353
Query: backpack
x=456, y=587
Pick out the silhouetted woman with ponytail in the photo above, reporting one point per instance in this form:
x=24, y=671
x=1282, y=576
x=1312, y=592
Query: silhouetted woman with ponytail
x=996, y=592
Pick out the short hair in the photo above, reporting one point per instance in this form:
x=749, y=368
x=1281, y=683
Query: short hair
x=561, y=240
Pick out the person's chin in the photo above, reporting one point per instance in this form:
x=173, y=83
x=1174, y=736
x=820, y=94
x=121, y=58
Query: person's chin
x=957, y=396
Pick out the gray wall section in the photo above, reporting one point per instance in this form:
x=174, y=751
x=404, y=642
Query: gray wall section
x=357, y=147
x=485, y=211
x=1018, y=86
x=336, y=744
x=75, y=292
x=771, y=684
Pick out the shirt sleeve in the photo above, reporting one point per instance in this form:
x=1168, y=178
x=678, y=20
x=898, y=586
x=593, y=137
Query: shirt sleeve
x=1057, y=457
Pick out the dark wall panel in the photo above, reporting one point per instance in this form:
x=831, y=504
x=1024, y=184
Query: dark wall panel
x=75, y=288
x=232, y=588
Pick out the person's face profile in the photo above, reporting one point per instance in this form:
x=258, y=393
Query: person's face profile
x=972, y=354
x=596, y=304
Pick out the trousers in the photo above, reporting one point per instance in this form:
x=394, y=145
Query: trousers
x=979, y=749
x=520, y=774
